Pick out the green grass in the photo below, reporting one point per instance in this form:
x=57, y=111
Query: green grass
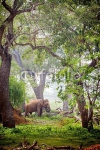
x=51, y=131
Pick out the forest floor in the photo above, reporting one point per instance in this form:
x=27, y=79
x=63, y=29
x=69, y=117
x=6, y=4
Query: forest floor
x=19, y=119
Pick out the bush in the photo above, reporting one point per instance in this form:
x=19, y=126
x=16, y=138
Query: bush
x=16, y=91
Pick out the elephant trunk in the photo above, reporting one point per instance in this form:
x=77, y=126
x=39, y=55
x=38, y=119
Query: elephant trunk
x=47, y=109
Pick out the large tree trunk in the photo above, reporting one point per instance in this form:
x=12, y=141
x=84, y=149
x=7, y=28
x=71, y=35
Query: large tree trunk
x=40, y=88
x=82, y=104
x=38, y=92
x=90, y=116
x=5, y=105
x=83, y=112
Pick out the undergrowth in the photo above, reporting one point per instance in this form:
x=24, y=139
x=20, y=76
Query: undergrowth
x=51, y=131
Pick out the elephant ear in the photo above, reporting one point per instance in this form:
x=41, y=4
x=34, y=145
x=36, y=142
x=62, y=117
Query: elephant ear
x=41, y=102
x=46, y=101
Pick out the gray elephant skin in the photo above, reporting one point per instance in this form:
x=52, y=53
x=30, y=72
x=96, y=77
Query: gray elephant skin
x=37, y=105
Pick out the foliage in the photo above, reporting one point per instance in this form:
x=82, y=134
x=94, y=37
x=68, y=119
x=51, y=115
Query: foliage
x=80, y=45
x=16, y=91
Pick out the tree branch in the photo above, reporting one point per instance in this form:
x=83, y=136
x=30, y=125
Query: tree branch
x=40, y=47
x=33, y=7
x=3, y=26
x=87, y=90
x=94, y=62
x=7, y=6
x=17, y=5
x=93, y=65
x=49, y=51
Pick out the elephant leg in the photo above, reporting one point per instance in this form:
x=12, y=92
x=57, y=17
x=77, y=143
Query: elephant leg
x=39, y=111
x=26, y=110
x=25, y=113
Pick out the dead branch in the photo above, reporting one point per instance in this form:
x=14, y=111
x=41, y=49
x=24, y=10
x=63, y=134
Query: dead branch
x=32, y=146
x=63, y=148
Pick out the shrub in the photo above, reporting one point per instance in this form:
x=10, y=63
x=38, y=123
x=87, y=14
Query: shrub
x=16, y=91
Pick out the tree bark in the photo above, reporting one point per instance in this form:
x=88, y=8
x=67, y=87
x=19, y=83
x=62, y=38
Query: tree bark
x=83, y=113
x=40, y=88
x=82, y=104
x=5, y=105
x=86, y=114
x=38, y=92
x=90, y=116
x=65, y=105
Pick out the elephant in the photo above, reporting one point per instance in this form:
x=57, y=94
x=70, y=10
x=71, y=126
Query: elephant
x=37, y=105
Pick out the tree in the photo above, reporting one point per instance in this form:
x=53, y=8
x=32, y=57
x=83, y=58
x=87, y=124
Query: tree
x=38, y=88
x=5, y=106
x=6, y=41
